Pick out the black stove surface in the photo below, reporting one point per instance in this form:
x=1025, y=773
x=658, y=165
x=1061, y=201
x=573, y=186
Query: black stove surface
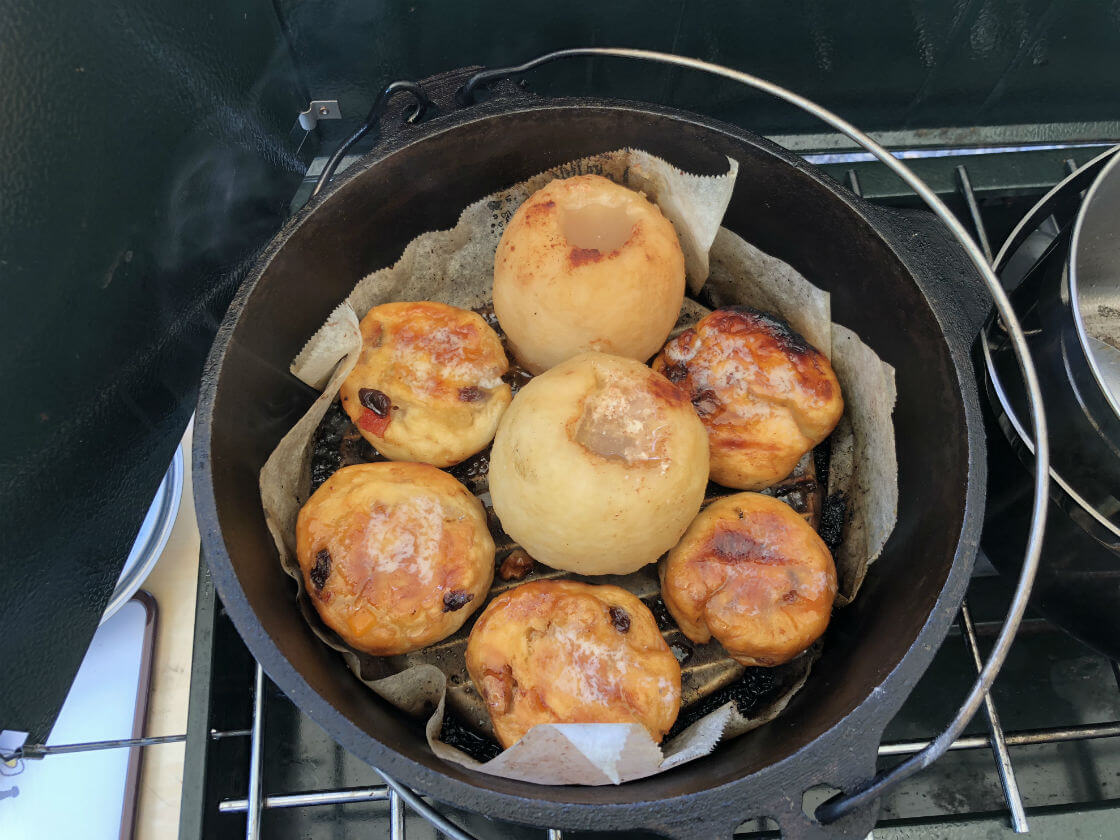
x=1058, y=701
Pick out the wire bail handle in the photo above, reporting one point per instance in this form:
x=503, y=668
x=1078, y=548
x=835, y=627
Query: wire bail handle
x=885, y=780
x=371, y=121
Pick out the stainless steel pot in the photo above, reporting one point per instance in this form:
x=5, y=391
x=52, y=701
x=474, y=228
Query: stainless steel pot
x=1069, y=302
x=1093, y=289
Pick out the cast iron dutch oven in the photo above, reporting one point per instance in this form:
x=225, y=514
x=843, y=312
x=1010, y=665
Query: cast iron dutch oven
x=898, y=279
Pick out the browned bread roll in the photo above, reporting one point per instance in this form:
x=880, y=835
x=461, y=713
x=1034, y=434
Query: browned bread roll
x=765, y=395
x=395, y=556
x=563, y=652
x=598, y=466
x=753, y=574
x=428, y=384
x=587, y=264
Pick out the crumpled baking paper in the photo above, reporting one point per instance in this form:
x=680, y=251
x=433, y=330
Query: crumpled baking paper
x=456, y=267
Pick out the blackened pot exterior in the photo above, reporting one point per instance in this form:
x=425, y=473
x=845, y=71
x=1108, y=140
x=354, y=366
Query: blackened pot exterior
x=897, y=279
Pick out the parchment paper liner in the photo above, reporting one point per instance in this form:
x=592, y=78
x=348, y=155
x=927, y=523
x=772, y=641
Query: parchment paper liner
x=456, y=267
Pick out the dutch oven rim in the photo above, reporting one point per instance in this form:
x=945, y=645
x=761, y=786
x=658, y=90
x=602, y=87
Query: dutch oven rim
x=869, y=715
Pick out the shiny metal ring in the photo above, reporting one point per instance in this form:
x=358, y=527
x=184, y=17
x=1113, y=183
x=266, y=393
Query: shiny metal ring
x=1084, y=175
x=885, y=780
x=843, y=804
x=154, y=533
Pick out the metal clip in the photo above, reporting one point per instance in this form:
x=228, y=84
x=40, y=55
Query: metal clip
x=319, y=109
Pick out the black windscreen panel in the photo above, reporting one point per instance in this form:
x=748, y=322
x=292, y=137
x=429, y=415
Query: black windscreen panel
x=882, y=64
x=147, y=153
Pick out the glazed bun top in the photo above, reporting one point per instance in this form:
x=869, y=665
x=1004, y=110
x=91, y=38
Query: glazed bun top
x=428, y=384
x=753, y=574
x=765, y=395
x=395, y=556
x=565, y=652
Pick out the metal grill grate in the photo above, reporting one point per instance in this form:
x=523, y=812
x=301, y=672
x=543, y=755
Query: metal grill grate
x=997, y=740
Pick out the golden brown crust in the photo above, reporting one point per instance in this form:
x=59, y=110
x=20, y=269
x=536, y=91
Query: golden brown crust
x=557, y=295
x=428, y=384
x=565, y=652
x=598, y=466
x=765, y=395
x=395, y=556
x=752, y=573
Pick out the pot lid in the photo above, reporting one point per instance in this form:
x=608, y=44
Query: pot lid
x=1094, y=280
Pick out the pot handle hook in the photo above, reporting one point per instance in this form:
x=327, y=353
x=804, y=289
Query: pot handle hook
x=885, y=780
x=373, y=118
